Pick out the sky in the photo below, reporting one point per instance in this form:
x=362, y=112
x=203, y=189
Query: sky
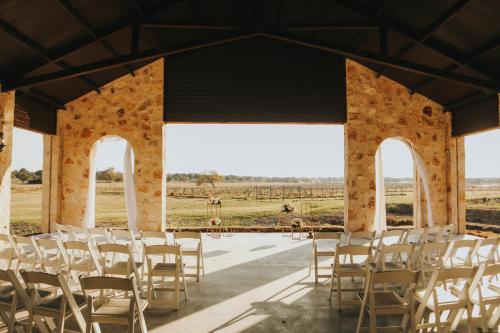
x=266, y=150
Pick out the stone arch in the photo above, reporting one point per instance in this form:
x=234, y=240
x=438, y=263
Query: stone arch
x=421, y=190
x=128, y=181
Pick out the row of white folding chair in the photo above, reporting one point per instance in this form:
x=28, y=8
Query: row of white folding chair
x=50, y=310
x=451, y=292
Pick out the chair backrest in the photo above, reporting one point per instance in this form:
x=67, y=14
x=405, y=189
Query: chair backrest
x=389, y=237
x=163, y=252
x=9, y=278
x=113, y=248
x=447, y=231
x=354, y=250
x=154, y=237
x=26, y=246
x=63, y=230
x=187, y=235
x=432, y=253
x=327, y=235
x=107, y=282
x=463, y=247
x=99, y=235
x=399, y=253
x=82, y=257
x=9, y=249
x=52, y=255
x=433, y=234
x=485, y=251
x=414, y=236
x=484, y=275
x=360, y=236
x=121, y=235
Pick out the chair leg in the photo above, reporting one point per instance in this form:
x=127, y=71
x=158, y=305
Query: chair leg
x=315, y=268
x=198, y=267
x=339, y=293
x=373, y=322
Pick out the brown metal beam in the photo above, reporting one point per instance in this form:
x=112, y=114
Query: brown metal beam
x=98, y=66
x=435, y=26
x=186, y=26
x=330, y=27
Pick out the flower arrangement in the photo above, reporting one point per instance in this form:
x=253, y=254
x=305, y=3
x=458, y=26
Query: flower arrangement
x=214, y=221
x=297, y=223
x=287, y=208
x=214, y=201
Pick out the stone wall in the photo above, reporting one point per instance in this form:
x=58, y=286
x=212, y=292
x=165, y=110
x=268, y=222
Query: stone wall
x=130, y=107
x=378, y=109
x=6, y=125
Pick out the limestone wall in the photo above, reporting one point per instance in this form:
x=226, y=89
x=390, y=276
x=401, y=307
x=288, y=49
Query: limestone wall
x=129, y=107
x=377, y=109
x=6, y=125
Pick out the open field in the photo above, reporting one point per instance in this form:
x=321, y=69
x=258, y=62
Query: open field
x=182, y=210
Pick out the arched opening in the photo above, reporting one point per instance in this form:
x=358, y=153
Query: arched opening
x=401, y=183
x=111, y=199
x=26, y=182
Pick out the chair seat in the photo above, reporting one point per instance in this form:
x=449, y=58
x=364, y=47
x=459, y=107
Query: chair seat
x=118, y=307
x=488, y=295
x=170, y=267
x=388, y=299
x=444, y=298
x=55, y=303
x=122, y=265
x=350, y=268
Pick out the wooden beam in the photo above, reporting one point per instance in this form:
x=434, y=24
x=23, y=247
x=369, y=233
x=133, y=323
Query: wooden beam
x=476, y=55
x=39, y=51
x=82, y=22
x=102, y=35
x=439, y=49
x=330, y=27
x=186, y=26
x=435, y=26
x=98, y=66
x=386, y=60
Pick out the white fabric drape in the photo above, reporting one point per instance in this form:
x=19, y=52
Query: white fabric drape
x=420, y=166
x=129, y=185
x=128, y=181
x=89, y=216
x=380, y=221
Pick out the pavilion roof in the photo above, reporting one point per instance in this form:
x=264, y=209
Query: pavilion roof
x=54, y=51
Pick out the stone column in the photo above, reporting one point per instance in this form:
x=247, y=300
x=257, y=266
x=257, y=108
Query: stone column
x=51, y=153
x=456, y=183
x=7, y=103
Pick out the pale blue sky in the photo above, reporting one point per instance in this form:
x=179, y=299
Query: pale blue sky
x=266, y=150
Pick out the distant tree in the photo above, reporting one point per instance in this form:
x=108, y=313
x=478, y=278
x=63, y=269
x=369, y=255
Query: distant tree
x=23, y=175
x=209, y=177
x=109, y=175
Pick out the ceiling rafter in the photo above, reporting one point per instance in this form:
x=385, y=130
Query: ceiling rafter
x=101, y=65
x=39, y=51
x=378, y=14
x=438, y=49
x=103, y=35
x=476, y=55
x=83, y=23
x=433, y=28
x=291, y=38
x=186, y=26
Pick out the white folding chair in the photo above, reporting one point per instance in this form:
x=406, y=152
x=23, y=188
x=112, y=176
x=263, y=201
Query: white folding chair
x=359, y=267
x=485, y=294
x=79, y=234
x=105, y=309
x=13, y=299
x=414, y=236
x=127, y=237
x=434, y=234
x=8, y=251
x=486, y=251
x=53, y=258
x=323, y=245
x=438, y=298
x=59, y=305
x=459, y=253
x=191, y=246
x=118, y=260
x=430, y=258
x=378, y=300
x=395, y=257
x=159, y=268
x=63, y=231
x=28, y=252
x=99, y=236
x=82, y=260
x=388, y=237
x=365, y=238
